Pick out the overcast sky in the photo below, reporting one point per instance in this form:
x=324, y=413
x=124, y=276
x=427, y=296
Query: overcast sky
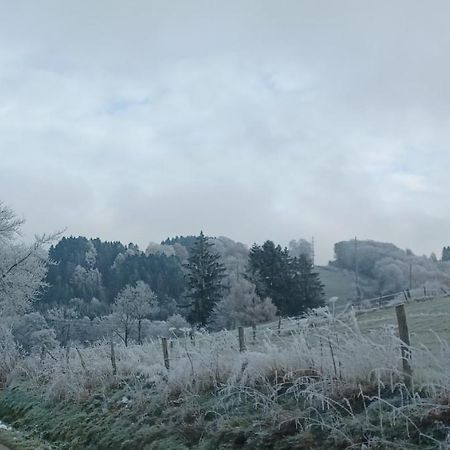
x=136, y=120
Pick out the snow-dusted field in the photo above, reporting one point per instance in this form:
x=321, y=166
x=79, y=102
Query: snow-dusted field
x=322, y=362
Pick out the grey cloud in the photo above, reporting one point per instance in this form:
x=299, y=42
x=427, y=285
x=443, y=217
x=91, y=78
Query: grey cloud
x=251, y=119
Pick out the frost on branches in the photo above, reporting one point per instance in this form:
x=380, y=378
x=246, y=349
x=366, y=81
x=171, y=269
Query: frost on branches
x=135, y=303
x=22, y=266
x=242, y=306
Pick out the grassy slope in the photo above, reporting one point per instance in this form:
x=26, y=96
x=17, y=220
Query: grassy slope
x=341, y=283
x=425, y=320
x=195, y=422
x=16, y=440
x=338, y=283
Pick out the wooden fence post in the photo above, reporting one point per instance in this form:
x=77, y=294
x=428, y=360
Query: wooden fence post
x=165, y=353
x=67, y=355
x=404, y=337
x=241, y=339
x=113, y=359
x=254, y=331
x=83, y=364
x=279, y=326
x=42, y=353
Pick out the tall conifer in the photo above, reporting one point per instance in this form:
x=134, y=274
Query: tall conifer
x=205, y=275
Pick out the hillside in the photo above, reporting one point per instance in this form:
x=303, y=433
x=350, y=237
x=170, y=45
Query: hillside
x=428, y=321
x=391, y=268
x=340, y=283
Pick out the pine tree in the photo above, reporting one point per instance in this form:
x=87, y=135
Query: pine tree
x=310, y=293
x=205, y=275
x=270, y=270
x=291, y=283
x=446, y=254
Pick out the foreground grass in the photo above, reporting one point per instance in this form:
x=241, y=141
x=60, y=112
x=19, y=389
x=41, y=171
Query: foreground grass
x=200, y=422
x=20, y=440
x=320, y=383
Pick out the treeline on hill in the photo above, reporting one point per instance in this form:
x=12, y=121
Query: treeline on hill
x=385, y=269
x=87, y=289
x=95, y=288
x=88, y=274
x=339, y=396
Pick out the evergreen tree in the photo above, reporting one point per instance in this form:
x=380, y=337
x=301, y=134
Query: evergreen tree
x=205, y=275
x=290, y=282
x=310, y=293
x=446, y=254
x=269, y=269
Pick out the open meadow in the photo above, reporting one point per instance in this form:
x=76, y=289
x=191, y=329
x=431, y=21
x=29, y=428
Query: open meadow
x=428, y=321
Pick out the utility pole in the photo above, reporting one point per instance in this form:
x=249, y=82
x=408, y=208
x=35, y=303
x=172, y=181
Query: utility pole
x=356, y=271
x=313, y=254
x=410, y=276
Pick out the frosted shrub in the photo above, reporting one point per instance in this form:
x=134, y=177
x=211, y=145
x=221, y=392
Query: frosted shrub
x=177, y=324
x=242, y=306
x=9, y=352
x=31, y=332
x=152, y=329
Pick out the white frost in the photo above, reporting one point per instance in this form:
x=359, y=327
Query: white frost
x=4, y=427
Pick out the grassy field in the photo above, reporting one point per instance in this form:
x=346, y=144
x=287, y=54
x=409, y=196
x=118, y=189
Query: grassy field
x=426, y=320
x=338, y=283
x=317, y=383
x=341, y=283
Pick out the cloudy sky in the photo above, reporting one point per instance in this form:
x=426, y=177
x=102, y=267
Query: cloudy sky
x=136, y=120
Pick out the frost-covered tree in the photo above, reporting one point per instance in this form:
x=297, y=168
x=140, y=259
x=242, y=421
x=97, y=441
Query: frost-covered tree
x=123, y=308
x=10, y=224
x=91, y=255
x=181, y=252
x=159, y=249
x=61, y=319
x=146, y=304
x=233, y=255
x=300, y=247
x=242, y=306
x=135, y=303
x=177, y=324
x=32, y=332
x=392, y=268
x=9, y=351
x=22, y=266
x=87, y=283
